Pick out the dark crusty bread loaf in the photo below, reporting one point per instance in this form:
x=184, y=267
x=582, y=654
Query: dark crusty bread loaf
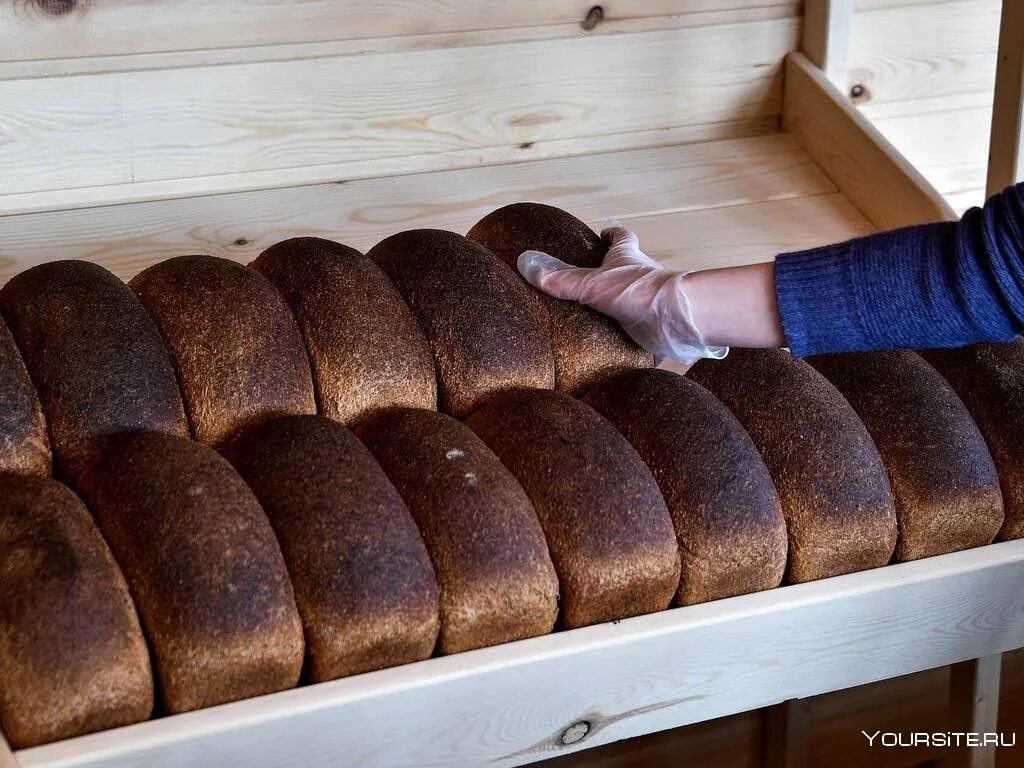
x=203, y=567
x=942, y=476
x=728, y=521
x=587, y=345
x=608, y=531
x=486, y=327
x=95, y=358
x=496, y=578
x=835, y=494
x=72, y=656
x=24, y=444
x=989, y=378
x=238, y=353
x=362, y=577
x=365, y=346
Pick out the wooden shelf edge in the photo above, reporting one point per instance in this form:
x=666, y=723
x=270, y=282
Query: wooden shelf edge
x=858, y=159
x=526, y=701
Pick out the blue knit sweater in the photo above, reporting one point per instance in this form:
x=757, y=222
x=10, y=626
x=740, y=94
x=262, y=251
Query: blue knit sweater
x=932, y=285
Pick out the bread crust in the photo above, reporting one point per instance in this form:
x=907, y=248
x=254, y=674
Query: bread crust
x=834, y=490
x=942, y=476
x=495, y=575
x=235, y=346
x=486, y=328
x=989, y=379
x=607, y=527
x=203, y=567
x=95, y=357
x=363, y=580
x=726, y=513
x=366, y=349
x=24, y=442
x=72, y=656
x=587, y=345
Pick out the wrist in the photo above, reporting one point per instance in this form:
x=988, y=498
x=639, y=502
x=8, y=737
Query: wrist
x=735, y=306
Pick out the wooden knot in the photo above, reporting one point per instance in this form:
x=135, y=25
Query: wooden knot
x=594, y=17
x=56, y=7
x=575, y=733
x=859, y=93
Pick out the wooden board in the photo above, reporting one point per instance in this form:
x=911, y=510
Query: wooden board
x=755, y=170
x=525, y=701
x=945, y=138
x=921, y=50
x=1006, y=142
x=104, y=138
x=747, y=234
x=863, y=165
x=78, y=32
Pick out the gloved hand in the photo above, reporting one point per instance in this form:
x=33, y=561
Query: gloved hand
x=647, y=300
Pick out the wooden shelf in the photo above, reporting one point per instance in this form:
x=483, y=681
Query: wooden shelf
x=518, y=703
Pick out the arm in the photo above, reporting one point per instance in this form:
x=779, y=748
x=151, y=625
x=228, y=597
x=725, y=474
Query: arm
x=933, y=285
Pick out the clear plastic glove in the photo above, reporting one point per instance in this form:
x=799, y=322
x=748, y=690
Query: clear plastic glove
x=647, y=300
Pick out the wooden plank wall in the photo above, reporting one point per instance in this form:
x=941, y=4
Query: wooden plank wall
x=114, y=101
x=924, y=72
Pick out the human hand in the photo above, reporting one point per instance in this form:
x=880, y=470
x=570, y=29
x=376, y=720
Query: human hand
x=647, y=300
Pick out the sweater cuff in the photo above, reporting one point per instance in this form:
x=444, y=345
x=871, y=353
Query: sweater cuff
x=817, y=306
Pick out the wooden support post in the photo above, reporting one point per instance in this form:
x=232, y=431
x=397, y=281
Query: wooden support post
x=784, y=742
x=7, y=758
x=974, y=708
x=826, y=37
x=1005, y=165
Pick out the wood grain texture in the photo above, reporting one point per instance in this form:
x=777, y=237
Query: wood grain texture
x=918, y=50
x=1006, y=142
x=858, y=159
x=974, y=706
x=946, y=139
x=747, y=234
x=299, y=121
x=34, y=30
x=826, y=36
x=510, y=705
x=360, y=213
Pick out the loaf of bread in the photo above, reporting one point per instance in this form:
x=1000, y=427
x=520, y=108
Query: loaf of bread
x=95, y=357
x=942, y=476
x=607, y=527
x=587, y=345
x=835, y=494
x=486, y=327
x=989, y=379
x=24, y=444
x=366, y=349
x=495, y=575
x=238, y=353
x=362, y=576
x=203, y=566
x=728, y=521
x=72, y=656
